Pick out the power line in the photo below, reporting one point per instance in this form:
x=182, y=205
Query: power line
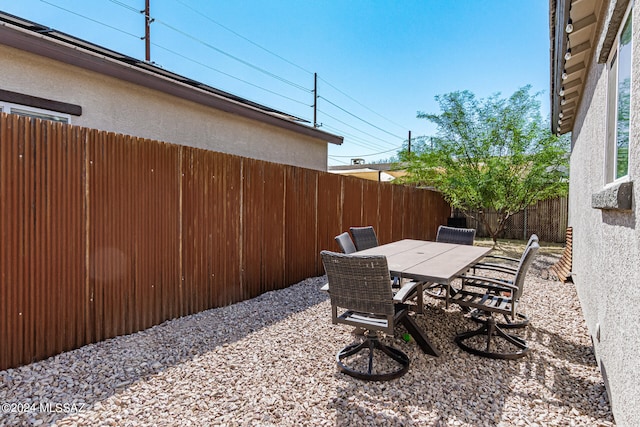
x=243, y=37
x=337, y=160
x=359, y=130
x=170, y=50
x=297, y=66
x=364, y=106
x=242, y=61
x=259, y=68
x=90, y=19
x=373, y=154
x=361, y=119
x=228, y=75
x=368, y=143
x=222, y=52
x=126, y=6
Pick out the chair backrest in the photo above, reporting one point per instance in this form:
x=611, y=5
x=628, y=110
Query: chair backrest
x=532, y=239
x=345, y=243
x=523, y=267
x=364, y=237
x=359, y=283
x=460, y=236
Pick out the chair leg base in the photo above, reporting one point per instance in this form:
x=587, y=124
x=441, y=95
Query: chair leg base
x=521, y=320
x=372, y=343
x=436, y=290
x=491, y=330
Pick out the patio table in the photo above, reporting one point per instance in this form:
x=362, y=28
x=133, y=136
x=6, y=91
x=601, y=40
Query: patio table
x=427, y=261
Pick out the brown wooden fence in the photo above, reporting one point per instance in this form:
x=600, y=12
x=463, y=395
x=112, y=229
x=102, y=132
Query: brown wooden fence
x=104, y=234
x=547, y=218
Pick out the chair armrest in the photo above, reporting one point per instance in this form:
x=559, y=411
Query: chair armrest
x=489, y=282
x=406, y=291
x=503, y=268
x=506, y=258
x=470, y=278
x=325, y=287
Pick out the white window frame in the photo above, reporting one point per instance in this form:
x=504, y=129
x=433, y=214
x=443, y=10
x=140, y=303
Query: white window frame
x=611, y=152
x=41, y=113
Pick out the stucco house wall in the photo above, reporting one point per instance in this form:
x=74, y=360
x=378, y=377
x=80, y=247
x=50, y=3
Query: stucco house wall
x=113, y=104
x=606, y=242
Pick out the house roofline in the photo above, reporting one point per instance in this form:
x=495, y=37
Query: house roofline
x=31, y=37
x=558, y=18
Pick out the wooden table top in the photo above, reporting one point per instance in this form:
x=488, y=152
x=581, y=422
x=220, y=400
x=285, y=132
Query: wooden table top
x=428, y=261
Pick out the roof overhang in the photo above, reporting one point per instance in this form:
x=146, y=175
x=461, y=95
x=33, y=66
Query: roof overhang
x=37, y=39
x=569, y=72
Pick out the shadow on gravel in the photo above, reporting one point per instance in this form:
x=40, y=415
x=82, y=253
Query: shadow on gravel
x=133, y=357
x=561, y=347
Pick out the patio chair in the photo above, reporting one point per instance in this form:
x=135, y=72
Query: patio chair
x=460, y=236
x=361, y=296
x=364, y=237
x=506, y=264
x=345, y=243
x=509, y=267
x=484, y=297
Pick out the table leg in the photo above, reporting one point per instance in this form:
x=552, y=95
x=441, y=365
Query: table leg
x=417, y=334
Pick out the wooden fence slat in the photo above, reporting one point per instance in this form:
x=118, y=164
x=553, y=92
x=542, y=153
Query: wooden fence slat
x=562, y=268
x=546, y=218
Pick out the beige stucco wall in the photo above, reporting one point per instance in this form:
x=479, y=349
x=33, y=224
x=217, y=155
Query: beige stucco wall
x=606, y=243
x=114, y=105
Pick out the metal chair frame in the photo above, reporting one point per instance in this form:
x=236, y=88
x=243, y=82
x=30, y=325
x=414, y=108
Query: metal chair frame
x=508, y=266
x=489, y=302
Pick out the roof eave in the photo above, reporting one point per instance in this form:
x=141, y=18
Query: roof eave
x=558, y=17
x=39, y=44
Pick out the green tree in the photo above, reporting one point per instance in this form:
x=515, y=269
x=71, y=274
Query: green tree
x=490, y=154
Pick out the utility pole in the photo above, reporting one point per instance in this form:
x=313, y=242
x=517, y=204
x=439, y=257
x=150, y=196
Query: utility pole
x=409, y=146
x=315, y=100
x=147, y=31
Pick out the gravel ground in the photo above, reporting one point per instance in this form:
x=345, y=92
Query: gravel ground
x=271, y=361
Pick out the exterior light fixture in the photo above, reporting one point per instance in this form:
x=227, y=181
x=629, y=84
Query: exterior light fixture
x=564, y=75
x=561, y=115
x=558, y=129
x=559, y=122
x=561, y=92
x=563, y=102
x=569, y=27
x=567, y=56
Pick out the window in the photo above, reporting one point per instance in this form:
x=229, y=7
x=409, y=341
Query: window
x=619, y=103
x=39, y=113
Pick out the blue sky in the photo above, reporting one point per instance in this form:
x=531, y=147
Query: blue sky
x=378, y=62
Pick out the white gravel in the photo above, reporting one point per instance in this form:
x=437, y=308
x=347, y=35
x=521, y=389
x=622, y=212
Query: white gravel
x=271, y=361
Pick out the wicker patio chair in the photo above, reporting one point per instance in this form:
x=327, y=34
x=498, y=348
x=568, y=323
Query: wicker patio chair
x=484, y=297
x=364, y=237
x=361, y=296
x=460, y=236
x=345, y=243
